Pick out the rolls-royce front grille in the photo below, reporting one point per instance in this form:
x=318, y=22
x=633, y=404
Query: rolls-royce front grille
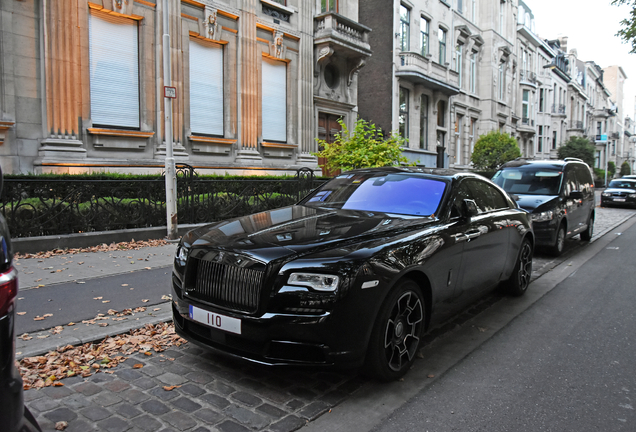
x=227, y=286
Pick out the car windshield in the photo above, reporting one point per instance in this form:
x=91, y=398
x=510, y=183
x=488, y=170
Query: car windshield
x=388, y=193
x=623, y=184
x=529, y=181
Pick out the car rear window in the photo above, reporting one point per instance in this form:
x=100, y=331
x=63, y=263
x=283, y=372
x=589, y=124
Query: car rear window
x=390, y=193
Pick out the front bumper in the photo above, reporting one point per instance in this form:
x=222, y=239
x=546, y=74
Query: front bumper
x=545, y=232
x=276, y=339
x=613, y=201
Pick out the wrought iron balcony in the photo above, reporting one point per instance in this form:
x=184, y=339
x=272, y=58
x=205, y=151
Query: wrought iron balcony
x=527, y=121
x=558, y=109
x=576, y=124
x=527, y=76
x=616, y=135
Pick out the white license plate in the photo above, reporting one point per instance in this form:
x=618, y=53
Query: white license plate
x=619, y=199
x=229, y=324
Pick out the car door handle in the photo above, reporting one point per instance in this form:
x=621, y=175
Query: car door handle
x=460, y=237
x=472, y=235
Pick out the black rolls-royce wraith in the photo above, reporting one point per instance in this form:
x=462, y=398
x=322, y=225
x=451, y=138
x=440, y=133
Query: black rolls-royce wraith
x=354, y=273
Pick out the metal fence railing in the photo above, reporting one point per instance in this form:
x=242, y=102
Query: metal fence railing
x=41, y=206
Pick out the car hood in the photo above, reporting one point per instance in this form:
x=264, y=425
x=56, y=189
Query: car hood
x=297, y=230
x=619, y=190
x=533, y=202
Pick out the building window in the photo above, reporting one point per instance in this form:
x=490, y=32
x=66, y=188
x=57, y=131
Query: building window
x=473, y=72
x=458, y=139
x=540, y=140
x=554, y=140
x=460, y=6
x=472, y=134
x=327, y=5
x=405, y=20
x=274, y=100
x=441, y=113
x=502, y=14
x=458, y=62
x=403, y=119
x=206, y=88
x=441, y=35
x=525, y=108
x=424, y=122
x=114, y=71
x=473, y=7
x=599, y=128
x=541, y=100
x=502, y=83
x=424, y=34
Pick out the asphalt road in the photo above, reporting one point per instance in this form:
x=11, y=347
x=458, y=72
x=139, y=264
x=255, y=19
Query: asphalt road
x=566, y=364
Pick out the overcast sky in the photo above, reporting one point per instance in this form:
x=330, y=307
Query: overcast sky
x=590, y=26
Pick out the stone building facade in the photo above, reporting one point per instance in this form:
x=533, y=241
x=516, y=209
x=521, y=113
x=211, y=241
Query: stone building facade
x=82, y=85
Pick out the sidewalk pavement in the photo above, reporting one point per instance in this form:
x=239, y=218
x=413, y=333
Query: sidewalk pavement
x=36, y=273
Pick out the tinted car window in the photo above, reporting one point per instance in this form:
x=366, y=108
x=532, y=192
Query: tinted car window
x=486, y=197
x=390, y=193
x=623, y=184
x=570, y=182
x=584, y=177
x=529, y=181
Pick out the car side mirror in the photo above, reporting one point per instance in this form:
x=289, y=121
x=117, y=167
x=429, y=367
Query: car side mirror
x=469, y=208
x=576, y=194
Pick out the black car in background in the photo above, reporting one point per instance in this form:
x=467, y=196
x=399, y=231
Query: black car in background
x=620, y=193
x=559, y=194
x=14, y=416
x=353, y=274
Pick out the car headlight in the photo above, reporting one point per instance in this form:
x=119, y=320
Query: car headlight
x=318, y=282
x=606, y=194
x=632, y=195
x=182, y=255
x=543, y=216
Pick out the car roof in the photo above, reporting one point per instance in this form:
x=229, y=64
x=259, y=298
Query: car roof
x=449, y=173
x=548, y=163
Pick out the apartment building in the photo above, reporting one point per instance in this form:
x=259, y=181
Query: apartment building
x=253, y=83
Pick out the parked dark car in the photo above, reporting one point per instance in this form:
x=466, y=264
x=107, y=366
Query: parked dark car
x=14, y=416
x=620, y=193
x=354, y=273
x=559, y=194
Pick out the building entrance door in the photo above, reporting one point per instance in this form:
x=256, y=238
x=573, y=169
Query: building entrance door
x=328, y=128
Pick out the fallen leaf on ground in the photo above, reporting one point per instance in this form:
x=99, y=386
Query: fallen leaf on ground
x=166, y=297
x=138, y=366
x=145, y=300
x=61, y=425
x=97, y=298
x=105, y=301
x=89, y=358
x=131, y=245
x=21, y=313
x=124, y=284
x=156, y=309
x=25, y=337
x=170, y=388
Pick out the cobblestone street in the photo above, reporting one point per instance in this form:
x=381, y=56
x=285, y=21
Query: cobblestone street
x=211, y=393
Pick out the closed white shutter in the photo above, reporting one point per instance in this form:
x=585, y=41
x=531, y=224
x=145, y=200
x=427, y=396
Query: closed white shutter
x=274, y=104
x=114, y=71
x=206, y=89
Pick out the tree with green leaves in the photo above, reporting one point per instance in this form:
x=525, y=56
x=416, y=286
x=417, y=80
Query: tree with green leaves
x=580, y=148
x=625, y=169
x=364, y=147
x=628, y=25
x=493, y=150
x=611, y=169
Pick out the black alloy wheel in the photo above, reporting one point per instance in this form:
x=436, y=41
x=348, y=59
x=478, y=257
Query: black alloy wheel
x=520, y=278
x=559, y=243
x=589, y=232
x=396, y=334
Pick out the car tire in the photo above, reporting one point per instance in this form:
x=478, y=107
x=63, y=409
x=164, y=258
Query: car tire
x=29, y=424
x=589, y=232
x=519, y=281
x=559, y=242
x=395, y=338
